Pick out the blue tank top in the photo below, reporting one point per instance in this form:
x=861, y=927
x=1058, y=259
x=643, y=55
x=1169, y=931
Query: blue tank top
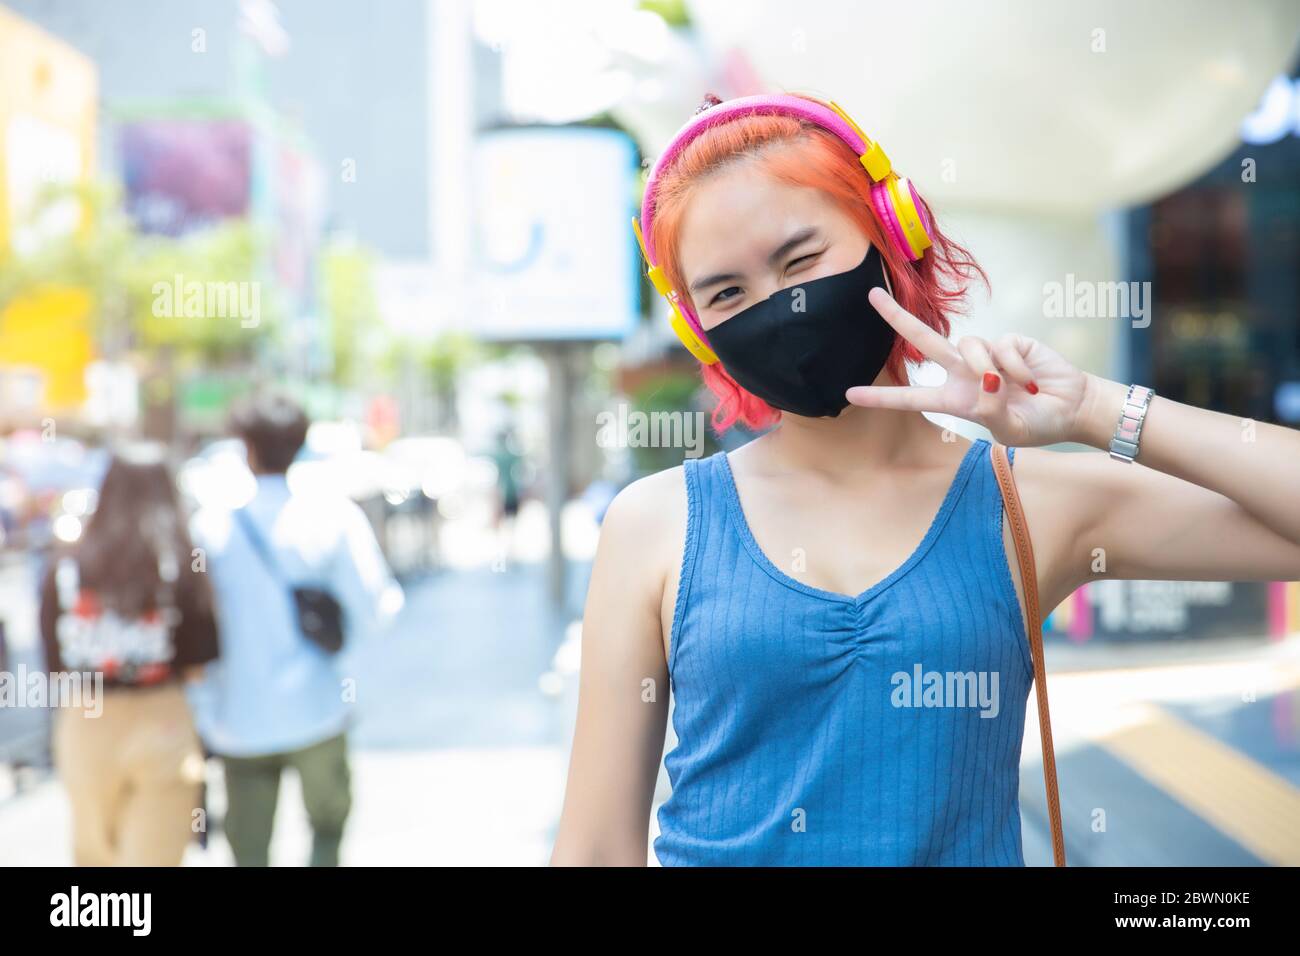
x=822, y=729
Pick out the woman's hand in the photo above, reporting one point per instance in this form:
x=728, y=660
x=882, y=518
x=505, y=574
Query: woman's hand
x=1023, y=392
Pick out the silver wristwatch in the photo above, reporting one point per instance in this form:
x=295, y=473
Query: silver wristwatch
x=1124, y=443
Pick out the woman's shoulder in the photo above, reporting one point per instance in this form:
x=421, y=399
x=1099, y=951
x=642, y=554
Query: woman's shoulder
x=650, y=503
x=641, y=540
x=646, y=521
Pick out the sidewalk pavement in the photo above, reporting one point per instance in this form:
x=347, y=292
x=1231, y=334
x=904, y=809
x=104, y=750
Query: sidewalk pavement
x=1173, y=754
x=470, y=807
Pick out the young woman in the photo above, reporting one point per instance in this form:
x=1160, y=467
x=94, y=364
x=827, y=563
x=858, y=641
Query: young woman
x=128, y=610
x=790, y=591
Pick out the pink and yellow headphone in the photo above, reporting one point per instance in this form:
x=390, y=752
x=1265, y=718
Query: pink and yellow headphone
x=896, y=202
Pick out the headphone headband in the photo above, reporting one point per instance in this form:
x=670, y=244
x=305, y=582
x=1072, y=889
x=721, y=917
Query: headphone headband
x=781, y=104
x=898, y=204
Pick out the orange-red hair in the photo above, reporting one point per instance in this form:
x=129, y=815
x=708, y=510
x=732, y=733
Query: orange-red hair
x=930, y=289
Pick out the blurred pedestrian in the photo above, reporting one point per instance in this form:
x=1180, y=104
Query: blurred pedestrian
x=129, y=604
x=275, y=699
x=508, y=460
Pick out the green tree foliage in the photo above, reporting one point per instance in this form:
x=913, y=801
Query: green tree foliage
x=348, y=299
x=124, y=270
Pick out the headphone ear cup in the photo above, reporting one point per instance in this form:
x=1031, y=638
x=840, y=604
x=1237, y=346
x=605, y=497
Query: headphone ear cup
x=884, y=206
x=921, y=214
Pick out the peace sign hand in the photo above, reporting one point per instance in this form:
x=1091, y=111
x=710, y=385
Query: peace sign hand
x=1023, y=392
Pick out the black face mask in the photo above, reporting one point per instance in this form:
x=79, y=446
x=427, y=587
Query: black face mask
x=801, y=348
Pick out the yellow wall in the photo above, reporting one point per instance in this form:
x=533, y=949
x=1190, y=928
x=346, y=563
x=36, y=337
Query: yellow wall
x=44, y=79
x=48, y=331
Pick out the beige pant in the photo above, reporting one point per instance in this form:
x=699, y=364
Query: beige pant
x=132, y=775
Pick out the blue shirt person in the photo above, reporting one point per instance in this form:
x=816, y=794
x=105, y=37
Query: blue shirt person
x=272, y=690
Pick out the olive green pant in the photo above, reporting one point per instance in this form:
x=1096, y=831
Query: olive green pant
x=253, y=788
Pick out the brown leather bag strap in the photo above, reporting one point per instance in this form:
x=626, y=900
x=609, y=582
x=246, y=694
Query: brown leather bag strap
x=1034, y=628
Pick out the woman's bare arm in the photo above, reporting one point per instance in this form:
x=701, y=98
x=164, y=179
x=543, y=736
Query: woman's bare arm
x=623, y=688
x=1211, y=497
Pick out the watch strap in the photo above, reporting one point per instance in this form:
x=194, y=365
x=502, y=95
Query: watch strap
x=1128, y=431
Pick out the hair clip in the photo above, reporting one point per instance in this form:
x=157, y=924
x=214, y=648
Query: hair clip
x=709, y=101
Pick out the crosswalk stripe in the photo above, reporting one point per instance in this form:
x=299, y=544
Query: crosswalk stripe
x=1236, y=795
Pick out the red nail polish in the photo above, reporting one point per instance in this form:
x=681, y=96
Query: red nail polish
x=1032, y=388
x=991, y=381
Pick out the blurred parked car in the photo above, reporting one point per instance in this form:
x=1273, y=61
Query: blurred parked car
x=47, y=488
x=398, y=488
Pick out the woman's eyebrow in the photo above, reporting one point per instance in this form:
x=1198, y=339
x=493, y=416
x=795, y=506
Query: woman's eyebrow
x=800, y=237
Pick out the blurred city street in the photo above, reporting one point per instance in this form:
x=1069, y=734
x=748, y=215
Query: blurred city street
x=324, y=327
x=459, y=754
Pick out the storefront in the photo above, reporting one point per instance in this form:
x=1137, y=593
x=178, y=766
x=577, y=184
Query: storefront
x=1223, y=259
x=1222, y=256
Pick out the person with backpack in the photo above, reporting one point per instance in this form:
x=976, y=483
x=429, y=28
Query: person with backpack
x=126, y=617
x=297, y=574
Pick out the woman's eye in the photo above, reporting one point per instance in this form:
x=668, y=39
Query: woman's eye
x=795, y=262
x=725, y=294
